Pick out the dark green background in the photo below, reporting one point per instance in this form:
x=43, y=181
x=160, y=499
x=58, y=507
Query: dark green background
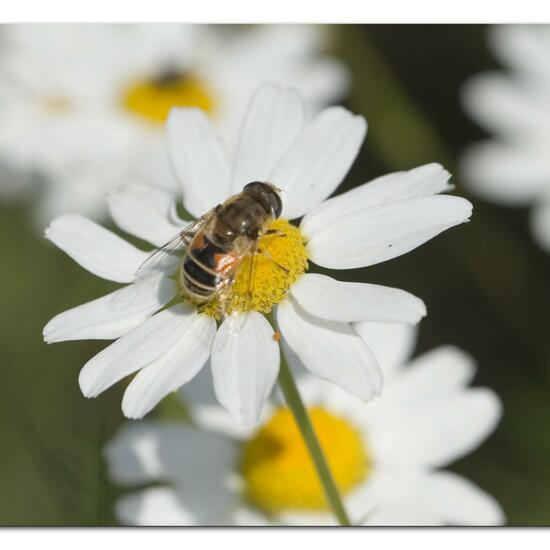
x=487, y=286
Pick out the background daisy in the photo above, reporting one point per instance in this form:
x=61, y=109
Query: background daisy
x=512, y=168
x=86, y=121
x=486, y=286
x=387, y=457
x=317, y=315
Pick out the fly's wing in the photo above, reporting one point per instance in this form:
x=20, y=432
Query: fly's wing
x=168, y=257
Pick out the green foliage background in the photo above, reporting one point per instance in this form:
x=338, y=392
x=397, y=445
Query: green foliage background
x=487, y=286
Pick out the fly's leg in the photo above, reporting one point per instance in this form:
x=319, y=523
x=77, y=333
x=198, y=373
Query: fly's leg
x=276, y=232
x=267, y=254
x=250, y=282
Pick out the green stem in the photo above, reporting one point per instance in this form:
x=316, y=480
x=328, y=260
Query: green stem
x=296, y=405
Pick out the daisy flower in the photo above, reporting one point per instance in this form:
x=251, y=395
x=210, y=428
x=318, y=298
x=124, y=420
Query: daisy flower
x=512, y=167
x=386, y=456
x=319, y=317
x=83, y=104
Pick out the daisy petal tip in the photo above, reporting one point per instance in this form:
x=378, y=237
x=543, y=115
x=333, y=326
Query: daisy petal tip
x=494, y=404
x=468, y=208
x=421, y=312
x=462, y=208
x=88, y=387
x=246, y=418
x=130, y=412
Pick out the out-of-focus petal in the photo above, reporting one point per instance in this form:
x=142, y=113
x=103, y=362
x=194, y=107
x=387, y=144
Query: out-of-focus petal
x=505, y=174
x=391, y=343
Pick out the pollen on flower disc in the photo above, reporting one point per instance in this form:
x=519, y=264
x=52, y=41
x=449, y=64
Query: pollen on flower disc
x=283, y=261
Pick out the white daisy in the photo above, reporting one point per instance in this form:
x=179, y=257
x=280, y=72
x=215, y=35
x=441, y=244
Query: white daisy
x=386, y=456
x=84, y=104
x=319, y=317
x=513, y=167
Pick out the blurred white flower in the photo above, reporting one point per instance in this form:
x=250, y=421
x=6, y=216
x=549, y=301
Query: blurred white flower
x=513, y=167
x=319, y=317
x=84, y=104
x=386, y=456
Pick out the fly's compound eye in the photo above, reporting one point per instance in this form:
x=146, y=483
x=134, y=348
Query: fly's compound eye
x=267, y=194
x=276, y=203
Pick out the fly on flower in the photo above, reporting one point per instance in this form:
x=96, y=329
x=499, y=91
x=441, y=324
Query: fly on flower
x=214, y=246
x=317, y=316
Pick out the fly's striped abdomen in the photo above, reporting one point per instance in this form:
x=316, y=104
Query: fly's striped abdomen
x=206, y=267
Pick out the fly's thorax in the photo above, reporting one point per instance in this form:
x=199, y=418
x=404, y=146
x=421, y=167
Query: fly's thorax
x=241, y=216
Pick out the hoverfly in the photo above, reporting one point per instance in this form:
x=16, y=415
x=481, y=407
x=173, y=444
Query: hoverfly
x=212, y=248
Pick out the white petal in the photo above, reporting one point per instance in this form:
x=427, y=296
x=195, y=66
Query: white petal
x=424, y=384
x=430, y=498
x=540, y=223
x=452, y=425
x=196, y=462
x=395, y=498
x=172, y=370
x=148, y=451
x=423, y=181
x=307, y=518
x=198, y=159
x=274, y=118
x=136, y=349
x=247, y=517
x=95, y=248
x=330, y=350
x=145, y=212
x=459, y=502
x=343, y=302
x=156, y=506
x=391, y=343
x=112, y=315
x=216, y=419
x=506, y=174
x=245, y=363
x=523, y=47
x=379, y=233
x=318, y=160
x=442, y=367
x=508, y=107
x=134, y=456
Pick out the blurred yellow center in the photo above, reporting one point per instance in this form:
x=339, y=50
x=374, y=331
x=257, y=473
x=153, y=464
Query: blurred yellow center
x=153, y=99
x=56, y=104
x=277, y=467
x=281, y=261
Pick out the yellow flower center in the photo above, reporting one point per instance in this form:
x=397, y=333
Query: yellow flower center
x=153, y=99
x=277, y=467
x=281, y=260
